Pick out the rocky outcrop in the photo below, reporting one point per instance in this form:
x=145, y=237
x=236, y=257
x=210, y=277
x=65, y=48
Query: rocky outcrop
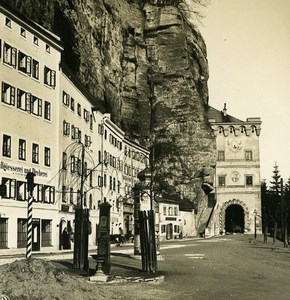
x=149, y=68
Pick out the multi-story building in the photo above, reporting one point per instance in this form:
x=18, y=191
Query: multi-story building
x=79, y=164
x=50, y=125
x=135, y=159
x=237, y=179
x=29, y=113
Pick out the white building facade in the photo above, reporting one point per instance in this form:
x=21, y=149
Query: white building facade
x=50, y=125
x=29, y=113
x=237, y=178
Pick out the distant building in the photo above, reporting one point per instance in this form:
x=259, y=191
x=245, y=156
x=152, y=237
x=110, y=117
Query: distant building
x=168, y=219
x=237, y=179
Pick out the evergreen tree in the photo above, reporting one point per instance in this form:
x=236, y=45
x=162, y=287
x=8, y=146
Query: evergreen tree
x=274, y=201
x=275, y=187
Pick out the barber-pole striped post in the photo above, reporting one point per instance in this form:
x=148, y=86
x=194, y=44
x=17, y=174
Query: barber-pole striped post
x=30, y=187
x=29, y=226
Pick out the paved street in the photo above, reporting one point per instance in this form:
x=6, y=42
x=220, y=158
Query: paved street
x=228, y=267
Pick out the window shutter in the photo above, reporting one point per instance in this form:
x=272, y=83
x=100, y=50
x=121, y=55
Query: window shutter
x=28, y=65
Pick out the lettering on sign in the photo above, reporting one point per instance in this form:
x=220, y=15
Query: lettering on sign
x=21, y=170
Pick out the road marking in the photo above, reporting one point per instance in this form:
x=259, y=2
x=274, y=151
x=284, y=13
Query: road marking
x=195, y=256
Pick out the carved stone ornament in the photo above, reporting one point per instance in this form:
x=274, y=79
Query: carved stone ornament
x=235, y=176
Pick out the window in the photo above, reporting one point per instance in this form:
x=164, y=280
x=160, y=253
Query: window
x=221, y=155
x=105, y=179
x=35, y=69
x=39, y=192
x=36, y=106
x=22, y=149
x=114, y=184
x=35, y=153
x=46, y=229
x=86, y=115
x=8, y=94
x=72, y=104
x=47, y=156
x=71, y=196
x=9, y=56
x=3, y=232
x=249, y=155
x=79, y=166
x=24, y=63
x=8, y=22
x=49, y=76
x=91, y=122
x=175, y=211
x=176, y=228
x=47, y=110
x=10, y=187
x=170, y=211
x=163, y=228
x=6, y=147
x=100, y=129
x=72, y=164
x=249, y=180
x=88, y=141
x=35, y=40
x=64, y=159
x=23, y=100
x=49, y=194
x=164, y=210
x=65, y=98
x=66, y=128
x=79, y=109
x=21, y=194
x=21, y=233
x=47, y=48
x=63, y=194
x=221, y=180
x=100, y=181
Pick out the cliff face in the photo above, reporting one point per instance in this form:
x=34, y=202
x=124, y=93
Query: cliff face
x=149, y=67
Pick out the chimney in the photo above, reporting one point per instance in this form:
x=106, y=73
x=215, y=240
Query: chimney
x=224, y=111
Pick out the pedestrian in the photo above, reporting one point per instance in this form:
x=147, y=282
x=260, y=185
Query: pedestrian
x=65, y=239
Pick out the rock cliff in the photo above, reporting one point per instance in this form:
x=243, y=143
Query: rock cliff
x=148, y=66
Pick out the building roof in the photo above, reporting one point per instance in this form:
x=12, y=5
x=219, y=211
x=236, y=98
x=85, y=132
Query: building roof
x=35, y=28
x=221, y=116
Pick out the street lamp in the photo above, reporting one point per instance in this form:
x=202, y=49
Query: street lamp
x=255, y=225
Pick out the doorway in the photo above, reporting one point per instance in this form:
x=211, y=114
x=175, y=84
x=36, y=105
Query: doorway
x=35, y=234
x=234, y=219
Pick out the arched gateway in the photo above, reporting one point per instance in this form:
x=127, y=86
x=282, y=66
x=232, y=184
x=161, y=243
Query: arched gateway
x=234, y=217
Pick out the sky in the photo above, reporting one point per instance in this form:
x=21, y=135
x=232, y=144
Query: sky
x=248, y=47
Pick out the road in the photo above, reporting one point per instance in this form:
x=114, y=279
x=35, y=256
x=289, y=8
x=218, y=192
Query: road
x=230, y=267
x=221, y=268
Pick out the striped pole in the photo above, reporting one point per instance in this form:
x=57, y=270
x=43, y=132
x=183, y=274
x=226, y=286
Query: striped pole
x=29, y=226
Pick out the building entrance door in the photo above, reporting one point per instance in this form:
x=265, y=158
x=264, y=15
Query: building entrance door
x=35, y=234
x=235, y=219
x=169, y=231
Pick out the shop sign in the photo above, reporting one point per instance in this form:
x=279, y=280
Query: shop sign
x=21, y=170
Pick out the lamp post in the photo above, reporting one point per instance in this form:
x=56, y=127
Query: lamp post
x=255, y=225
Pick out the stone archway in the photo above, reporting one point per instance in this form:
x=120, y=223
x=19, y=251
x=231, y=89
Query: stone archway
x=233, y=206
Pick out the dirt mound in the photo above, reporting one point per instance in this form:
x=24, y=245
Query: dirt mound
x=40, y=279
x=37, y=279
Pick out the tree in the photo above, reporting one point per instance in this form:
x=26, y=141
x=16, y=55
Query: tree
x=265, y=214
x=274, y=205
